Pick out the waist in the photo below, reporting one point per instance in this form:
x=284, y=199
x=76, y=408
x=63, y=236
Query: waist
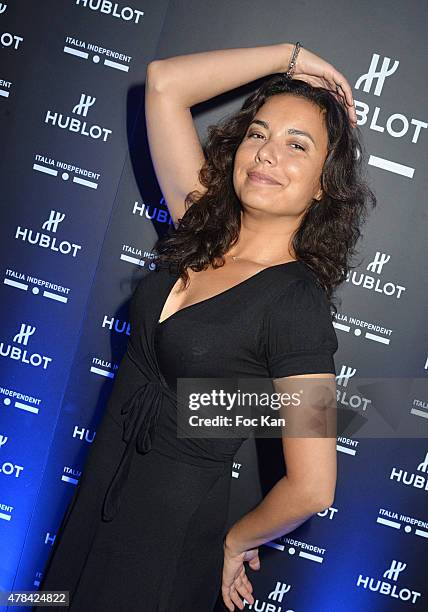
x=209, y=454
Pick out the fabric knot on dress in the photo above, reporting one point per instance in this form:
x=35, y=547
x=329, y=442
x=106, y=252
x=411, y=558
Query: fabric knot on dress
x=140, y=420
x=141, y=414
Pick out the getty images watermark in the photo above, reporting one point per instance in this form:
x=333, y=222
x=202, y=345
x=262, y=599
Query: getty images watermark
x=301, y=407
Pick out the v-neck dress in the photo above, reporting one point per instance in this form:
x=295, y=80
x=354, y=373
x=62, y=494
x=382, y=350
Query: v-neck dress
x=145, y=527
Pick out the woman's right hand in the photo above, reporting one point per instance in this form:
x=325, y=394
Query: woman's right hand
x=320, y=73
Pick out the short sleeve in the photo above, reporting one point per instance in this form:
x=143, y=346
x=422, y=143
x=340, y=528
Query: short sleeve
x=300, y=336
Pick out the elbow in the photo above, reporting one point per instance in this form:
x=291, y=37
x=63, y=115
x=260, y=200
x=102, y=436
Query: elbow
x=316, y=499
x=322, y=501
x=324, y=505
x=156, y=76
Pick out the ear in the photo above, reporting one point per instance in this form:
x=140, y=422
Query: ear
x=319, y=194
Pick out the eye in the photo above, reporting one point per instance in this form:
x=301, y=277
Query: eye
x=254, y=134
x=299, y=145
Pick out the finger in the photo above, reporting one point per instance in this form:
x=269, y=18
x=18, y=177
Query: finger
x=344, y=102
x=334, y=87
x=339, y=94
x=242, y=582
x=244, y=586
x=246, y=595
x=245, y=590
x=352, y=115
x=348, y=95
x=236, y=599
x=245, y=580
x=226, y=598
x=340, y=80
x=254, y=563
x=248, y=584
x=340, y=97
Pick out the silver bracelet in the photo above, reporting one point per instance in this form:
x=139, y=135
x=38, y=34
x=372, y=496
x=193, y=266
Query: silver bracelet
x=292, y=65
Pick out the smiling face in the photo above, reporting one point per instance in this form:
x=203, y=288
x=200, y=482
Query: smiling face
x=272, y=146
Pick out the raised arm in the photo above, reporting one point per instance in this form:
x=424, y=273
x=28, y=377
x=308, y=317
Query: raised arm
x=173, y=86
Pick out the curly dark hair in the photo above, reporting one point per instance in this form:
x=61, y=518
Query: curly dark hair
x=327, y=234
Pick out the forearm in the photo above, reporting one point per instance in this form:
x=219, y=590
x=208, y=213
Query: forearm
x=197, y=77
x=282, y=510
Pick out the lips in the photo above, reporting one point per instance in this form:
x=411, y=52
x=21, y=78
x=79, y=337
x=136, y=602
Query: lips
x=259, y=177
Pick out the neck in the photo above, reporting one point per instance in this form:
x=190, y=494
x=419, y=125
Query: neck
x=264, y=242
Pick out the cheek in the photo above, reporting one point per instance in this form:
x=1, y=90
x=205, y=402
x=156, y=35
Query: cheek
x=241, y=156
x=241, y=163
x=294, y=167
x=301, y=170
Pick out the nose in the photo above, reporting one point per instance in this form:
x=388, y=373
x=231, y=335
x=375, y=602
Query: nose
x=267, y=154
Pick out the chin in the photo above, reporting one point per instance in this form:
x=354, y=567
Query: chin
x=258, y=204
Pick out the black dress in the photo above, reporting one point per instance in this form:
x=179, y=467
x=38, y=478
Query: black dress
x=144, y=529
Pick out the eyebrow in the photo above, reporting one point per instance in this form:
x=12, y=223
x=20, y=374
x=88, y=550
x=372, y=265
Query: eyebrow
x=290, y=130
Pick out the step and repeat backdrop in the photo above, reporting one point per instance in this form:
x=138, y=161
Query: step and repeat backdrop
x=80, y=212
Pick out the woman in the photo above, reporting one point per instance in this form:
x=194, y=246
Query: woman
x=274, y=204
